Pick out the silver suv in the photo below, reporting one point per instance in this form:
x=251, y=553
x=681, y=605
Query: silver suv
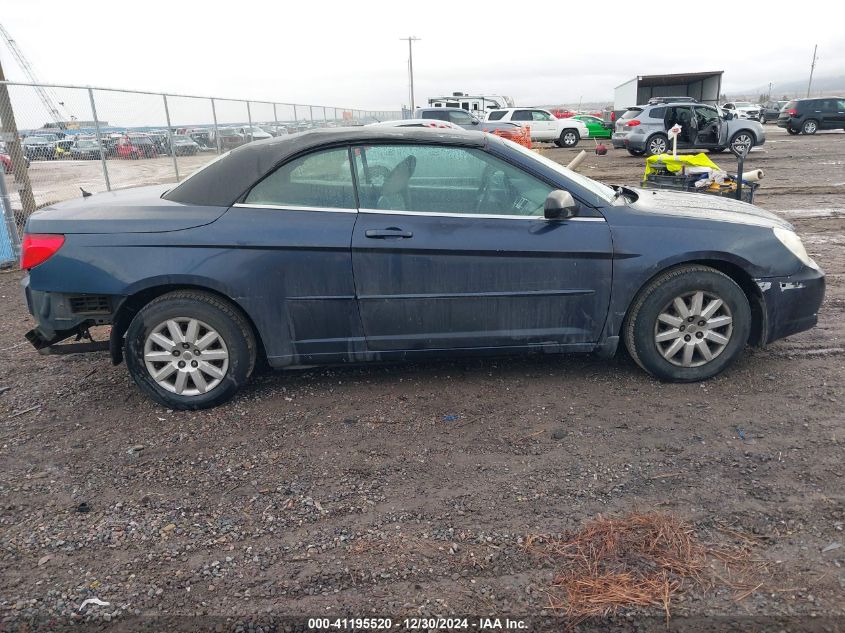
x=643, y=129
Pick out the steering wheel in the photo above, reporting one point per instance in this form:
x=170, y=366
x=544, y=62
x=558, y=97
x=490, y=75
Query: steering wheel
x=485, y=189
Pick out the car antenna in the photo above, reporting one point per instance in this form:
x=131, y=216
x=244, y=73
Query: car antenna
x=85, y=194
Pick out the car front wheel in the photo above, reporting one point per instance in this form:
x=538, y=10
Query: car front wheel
x=743, y=138
x=688, y=324
x=568, y=138
x=190, y=350
x=636, y=152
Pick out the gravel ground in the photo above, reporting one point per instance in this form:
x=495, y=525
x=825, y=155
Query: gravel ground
x=411, y=489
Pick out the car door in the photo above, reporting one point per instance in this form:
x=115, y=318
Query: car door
x=451, y=250
x=833, y=114
x=302, y=215
x=525, y=119
x=708, y=126
x=463, y=119
x=544, y=125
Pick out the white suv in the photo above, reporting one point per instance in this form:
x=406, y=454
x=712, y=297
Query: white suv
x=543, y=124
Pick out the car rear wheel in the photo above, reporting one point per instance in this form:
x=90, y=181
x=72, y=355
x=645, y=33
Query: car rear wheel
x=689, y=324
x=636, y=152
x=657, y=144
x=568, y=138
x=792, y=131
x=190, y=350
x=810, y=126
x=717, y=150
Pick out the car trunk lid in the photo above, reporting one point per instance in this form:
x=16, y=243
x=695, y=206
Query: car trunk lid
x=136, y=210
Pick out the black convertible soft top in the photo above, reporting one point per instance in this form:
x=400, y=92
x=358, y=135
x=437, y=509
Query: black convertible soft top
x=223, y=181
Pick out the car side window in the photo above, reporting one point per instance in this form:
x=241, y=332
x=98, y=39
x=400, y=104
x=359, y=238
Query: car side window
x=496, y=116
x=322, y=179
x=443, y=179
x=521, y=115
x=460, y=118
x=657, y=113
x=539, y=115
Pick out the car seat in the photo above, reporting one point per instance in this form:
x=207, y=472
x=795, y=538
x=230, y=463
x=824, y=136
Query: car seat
x=394, y=191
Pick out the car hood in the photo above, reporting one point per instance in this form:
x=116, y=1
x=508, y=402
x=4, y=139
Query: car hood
x=136, y=210
x=703, y=206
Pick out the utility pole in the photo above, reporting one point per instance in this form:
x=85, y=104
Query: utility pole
x=770, y=90
x=812, y=68
x=13, y=144
x=411, y=39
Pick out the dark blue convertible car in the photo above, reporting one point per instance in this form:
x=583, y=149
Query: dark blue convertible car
x=353, y=245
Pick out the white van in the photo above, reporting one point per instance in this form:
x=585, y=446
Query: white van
x=479, y=105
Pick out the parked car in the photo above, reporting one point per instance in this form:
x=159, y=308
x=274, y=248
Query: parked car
x=770, y=111
x=63, y=147
x=596, y=128
x=135, y=146
x=808, y=116
x=500, y=249
x=229, y=138
x=461, y=118
x=6, y=161
x=644, y=129
x=743, y=110
x=40, y=146
x=253, y=133
x=184, y=145
x=85, y=149
x=544, y=125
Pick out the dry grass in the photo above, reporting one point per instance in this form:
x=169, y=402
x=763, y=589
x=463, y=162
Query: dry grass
x=639, y=560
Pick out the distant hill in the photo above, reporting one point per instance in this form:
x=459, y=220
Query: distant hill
x=798, y=87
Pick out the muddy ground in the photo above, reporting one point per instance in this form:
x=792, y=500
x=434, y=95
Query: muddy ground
x=411, y=489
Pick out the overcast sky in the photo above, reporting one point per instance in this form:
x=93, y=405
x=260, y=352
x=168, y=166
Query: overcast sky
x=348, y=53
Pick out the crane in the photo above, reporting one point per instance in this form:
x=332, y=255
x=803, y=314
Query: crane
x=49, y=101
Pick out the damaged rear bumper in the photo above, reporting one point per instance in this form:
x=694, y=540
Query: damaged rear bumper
x=791, y=303
x=61, y=316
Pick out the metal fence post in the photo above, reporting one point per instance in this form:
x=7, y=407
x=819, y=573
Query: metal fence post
x=325, y=117
x=275, y=120
x=9, y=218
x=249, y=118
x=99, y=139
x=216, y=134
x=311, y=112
x=170, y=138
x=294, y=113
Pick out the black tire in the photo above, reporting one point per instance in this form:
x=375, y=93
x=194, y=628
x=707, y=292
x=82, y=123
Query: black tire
x=641, y=323
x=792, y=131
x=762, y=120
x=717, y=150
x=655, y=143
x=810, y=126
x=220, y=315
x=636, y=152
x=568, y=138
x=743, y=133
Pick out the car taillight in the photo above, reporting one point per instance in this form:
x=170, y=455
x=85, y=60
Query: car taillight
x=37, y=248
x=632, y=123
x=792, y=112
x=612, y=117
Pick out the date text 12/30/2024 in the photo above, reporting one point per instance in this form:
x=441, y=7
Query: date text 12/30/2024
x=417, y=624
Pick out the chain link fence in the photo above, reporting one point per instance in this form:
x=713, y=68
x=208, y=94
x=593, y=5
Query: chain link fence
x=59, y=142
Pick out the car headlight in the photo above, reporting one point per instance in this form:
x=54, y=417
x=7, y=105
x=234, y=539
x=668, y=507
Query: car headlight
x=791, y=240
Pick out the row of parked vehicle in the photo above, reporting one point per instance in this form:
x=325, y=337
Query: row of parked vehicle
x=133, y=145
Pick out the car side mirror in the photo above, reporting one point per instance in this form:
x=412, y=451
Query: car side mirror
x=475, y=121
x=559, y=205
x=729, y=116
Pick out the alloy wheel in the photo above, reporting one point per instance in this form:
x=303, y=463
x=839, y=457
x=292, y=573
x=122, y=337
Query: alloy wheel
x=693, y=329
x=186, y=356
x=657, y=145
x=810, y=127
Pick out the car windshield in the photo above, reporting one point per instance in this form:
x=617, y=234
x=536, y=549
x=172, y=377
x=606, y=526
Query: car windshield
x=181, y=137
x=743, y=104
x=601, y=190
x=140, y=140
x=40, y=139
x=86, y=144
